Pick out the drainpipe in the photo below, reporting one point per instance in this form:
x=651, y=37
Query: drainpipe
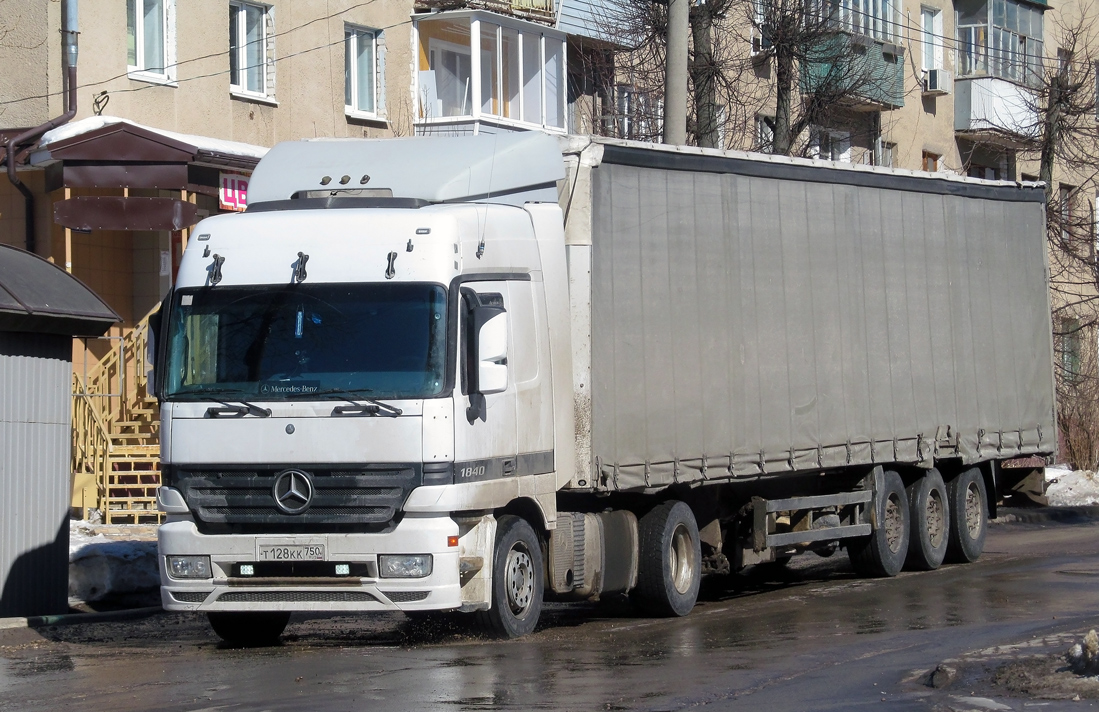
x=69, y=33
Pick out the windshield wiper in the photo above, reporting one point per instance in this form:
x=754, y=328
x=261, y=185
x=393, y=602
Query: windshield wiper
x=231, y=409
x=369, y=407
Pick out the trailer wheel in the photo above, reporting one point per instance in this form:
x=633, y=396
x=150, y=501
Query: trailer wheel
x=250, y=630
x=517, y=580
x=930, y=515
x=968, y=516
x=883, y=552
x=669, y=569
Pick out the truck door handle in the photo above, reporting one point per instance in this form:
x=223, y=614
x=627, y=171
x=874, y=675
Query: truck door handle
x=509, y=467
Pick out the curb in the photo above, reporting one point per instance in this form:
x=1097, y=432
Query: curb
x=75, y=618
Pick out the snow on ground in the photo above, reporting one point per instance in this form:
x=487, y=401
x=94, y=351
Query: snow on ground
x=1071, y=488
x=111, y=560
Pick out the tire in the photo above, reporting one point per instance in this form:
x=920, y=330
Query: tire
x=249, y=630
x=884, y=551
x=929, y=513
x=517, y=580
x=669, y=568
x=968, y=501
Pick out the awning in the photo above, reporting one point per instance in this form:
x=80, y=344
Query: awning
x=38, y=296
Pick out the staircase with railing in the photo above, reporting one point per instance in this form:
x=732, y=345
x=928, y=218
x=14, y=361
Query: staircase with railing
x=116, y=423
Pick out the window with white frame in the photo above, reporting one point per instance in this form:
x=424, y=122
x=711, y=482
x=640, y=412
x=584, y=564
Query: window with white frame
x=149, y=41
x=1002, y=38
x=830, y=145
x=931, y=38
x=765, y=133
x=470, y=67
x=249, y=65
x=880, y=19
x=360, y=71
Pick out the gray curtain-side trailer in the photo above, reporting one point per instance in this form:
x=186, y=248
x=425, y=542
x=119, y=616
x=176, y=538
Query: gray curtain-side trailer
x=782, y=328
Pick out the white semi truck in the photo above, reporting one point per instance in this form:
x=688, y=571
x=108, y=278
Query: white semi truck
x=468, y=373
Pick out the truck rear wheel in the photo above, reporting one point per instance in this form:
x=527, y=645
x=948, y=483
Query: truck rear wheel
x=669, y=569
x=930, y=515
x=249, y=629
x=883, y=552
x=968, y=501
x=517, y=580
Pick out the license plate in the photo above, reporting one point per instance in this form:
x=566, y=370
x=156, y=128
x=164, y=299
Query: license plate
x=312, y=551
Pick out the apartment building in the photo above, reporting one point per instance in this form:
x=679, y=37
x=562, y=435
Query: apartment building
x=177, y=101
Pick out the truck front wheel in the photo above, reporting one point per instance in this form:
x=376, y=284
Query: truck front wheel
x=669, y=567
x=968, y=500
x=517, y=580
x=249, y=629
x=883, y=552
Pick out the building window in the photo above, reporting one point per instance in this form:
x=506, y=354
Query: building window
x=484, y=70
x=249, y=63
x=765, y=134
x=148, y=37
x=930, y=162
x=886, y=153
x=880, y=19
x=640, y=114
x=1006, y=42
x=1067, y=197
x=830, y=145
x=360, y=71
x=1068, y=344
x=931, y=39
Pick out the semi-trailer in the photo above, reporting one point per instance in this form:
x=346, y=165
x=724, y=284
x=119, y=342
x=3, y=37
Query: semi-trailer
x=469, y=373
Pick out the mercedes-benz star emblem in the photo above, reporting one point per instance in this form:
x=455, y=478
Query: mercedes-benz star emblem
x=293, y=491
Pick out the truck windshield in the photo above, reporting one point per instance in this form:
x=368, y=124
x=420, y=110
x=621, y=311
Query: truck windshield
x=287, y=342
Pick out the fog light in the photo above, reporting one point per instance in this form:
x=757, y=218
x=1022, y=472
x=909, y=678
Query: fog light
x=404, y=565
x=247, y=570
x=343, y=569
x=189, y=567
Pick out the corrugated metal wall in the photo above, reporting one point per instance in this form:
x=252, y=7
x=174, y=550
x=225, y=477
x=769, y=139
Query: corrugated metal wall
x=749, y=324
x=35, y=422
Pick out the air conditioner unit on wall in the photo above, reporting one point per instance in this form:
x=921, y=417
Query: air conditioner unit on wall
x=937, y=81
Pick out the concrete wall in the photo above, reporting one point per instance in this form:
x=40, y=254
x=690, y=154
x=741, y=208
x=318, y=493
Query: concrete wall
x=35, y=420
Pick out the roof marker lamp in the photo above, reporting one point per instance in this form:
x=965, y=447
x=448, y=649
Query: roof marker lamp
x=404, y=565
x=189, y=567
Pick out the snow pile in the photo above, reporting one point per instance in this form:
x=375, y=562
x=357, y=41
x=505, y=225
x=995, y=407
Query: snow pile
x=202, y=143
x=111, y=561
x=1071, y=488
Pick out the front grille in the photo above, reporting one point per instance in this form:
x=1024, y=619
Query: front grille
x=190, y=596
x=241, y=501
x=294, y=597
x=405, y=596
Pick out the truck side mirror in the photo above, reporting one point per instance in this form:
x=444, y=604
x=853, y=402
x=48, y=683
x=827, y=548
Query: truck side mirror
x=486, y=352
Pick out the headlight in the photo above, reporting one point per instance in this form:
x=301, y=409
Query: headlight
x=404, y=565
x=189, y=567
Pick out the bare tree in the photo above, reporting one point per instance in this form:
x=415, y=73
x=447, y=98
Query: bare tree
x=795, y=60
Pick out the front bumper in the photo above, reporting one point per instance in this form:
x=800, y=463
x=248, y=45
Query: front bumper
x=441, y=590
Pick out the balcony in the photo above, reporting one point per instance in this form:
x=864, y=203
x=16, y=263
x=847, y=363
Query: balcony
x=994, y=110
x=537, y=10
x=479, y=72
x=864, y=73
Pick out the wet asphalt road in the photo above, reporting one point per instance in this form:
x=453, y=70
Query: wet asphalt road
x=813, y=637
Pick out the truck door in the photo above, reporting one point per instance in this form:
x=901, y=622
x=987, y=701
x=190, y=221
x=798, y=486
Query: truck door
x=484, y=433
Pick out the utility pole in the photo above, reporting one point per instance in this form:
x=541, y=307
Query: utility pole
x=675, y=73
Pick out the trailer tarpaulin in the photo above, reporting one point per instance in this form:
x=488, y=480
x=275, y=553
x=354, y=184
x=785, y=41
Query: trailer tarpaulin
x=746, y=324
